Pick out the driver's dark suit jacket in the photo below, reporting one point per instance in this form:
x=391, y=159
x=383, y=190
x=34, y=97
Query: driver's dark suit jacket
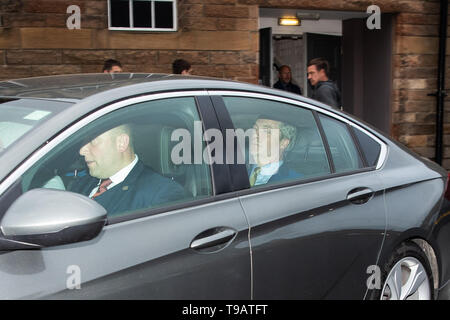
x=142, y=188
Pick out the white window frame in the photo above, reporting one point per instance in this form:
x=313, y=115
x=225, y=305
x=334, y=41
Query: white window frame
x=132, y=28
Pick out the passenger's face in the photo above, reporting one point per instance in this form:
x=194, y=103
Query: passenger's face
x=102, y=155
x=265, y=144
x=313, y=75
x=285, y=75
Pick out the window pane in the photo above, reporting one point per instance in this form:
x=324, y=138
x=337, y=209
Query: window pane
x=17, y=117
x=370, y=147
x=343, y=150
x=120, y=13
x=163, y=14
x=142, y=14
x=133, y=147
x=284, y=144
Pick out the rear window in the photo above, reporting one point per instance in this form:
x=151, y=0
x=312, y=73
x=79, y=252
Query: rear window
x=371, y=149
x=19, y=116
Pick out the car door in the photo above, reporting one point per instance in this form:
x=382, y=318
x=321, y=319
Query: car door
x=317, y=225
x=191, y=247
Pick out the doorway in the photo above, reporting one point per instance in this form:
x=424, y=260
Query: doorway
x=360, y=59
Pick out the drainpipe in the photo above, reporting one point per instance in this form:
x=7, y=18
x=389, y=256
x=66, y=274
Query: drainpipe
x=441, y=94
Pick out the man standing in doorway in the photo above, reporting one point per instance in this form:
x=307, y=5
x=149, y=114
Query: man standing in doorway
x=324, y=90
x=284, y=82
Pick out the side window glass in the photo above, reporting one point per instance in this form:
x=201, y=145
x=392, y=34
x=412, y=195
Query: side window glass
x=370, y=147
x=282, y=141
x=343, y=150
x=125, y=160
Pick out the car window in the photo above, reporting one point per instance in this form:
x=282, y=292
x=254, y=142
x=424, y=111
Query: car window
x=342, y=147
x=19, y=116
x=282, y=143
x=125, y=160
x=370, y=148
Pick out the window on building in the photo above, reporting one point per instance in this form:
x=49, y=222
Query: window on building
x=142, y=15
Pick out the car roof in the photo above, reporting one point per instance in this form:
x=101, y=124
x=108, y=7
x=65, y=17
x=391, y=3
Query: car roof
x=76, y=87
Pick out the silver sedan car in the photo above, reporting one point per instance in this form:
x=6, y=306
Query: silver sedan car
x=147, y=186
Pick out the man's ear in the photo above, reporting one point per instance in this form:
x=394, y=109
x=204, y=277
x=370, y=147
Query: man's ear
x=122, y=141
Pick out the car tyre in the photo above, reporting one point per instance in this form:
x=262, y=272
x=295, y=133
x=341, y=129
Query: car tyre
x=406, y=276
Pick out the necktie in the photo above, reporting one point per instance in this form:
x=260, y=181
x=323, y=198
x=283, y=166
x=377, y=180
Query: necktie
x=102, y=188
x=254, y=175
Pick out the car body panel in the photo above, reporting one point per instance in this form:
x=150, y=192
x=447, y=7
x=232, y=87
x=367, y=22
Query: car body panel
x=310, y=237
x=301, y=239
x=148, y=258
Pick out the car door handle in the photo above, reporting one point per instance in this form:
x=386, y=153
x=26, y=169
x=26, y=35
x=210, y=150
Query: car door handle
x=360, y=195
x=212, y=238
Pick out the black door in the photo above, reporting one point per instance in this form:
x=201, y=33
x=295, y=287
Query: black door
x=329, y=48
x=265, y=56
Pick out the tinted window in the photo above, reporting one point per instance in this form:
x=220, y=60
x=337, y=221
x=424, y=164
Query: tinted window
x=147, y=14
x=282, y=141
x=120, y=13
x=370, y=147
x=18, y=117
x=342, y=147
x=163, y=14
x=133, y=148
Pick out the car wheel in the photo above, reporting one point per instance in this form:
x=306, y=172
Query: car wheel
x=407, y=275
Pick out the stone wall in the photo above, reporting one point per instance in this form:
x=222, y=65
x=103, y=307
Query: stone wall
x=220, y=38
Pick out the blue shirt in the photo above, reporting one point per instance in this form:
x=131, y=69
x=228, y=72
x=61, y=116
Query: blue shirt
x=266, y=172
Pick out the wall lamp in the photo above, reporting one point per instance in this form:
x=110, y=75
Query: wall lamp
x=288, y=21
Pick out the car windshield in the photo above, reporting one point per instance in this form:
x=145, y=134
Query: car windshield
x=19, y=116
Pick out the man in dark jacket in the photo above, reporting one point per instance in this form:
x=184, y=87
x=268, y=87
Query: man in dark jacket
x=324, y=90
x=284, y=82
x=118, y=180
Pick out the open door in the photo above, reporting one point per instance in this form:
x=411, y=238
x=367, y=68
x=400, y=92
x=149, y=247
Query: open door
x=367, y=61
x=265, y=57
x=329, y=48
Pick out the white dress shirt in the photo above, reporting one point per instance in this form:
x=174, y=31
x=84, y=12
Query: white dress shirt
x=118, y=177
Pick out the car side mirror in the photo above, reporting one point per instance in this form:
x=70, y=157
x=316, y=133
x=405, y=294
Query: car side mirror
x=48, y=217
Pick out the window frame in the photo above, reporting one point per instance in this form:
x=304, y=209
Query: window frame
x=215, y=173
x=315, y=110
x=353, y=139
x=149, y=29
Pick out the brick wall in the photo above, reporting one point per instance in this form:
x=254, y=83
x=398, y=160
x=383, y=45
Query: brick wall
x=220, y=38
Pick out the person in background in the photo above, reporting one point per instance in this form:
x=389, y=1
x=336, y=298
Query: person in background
x=324, y=90
x=181, y=66
x=112, y=66
x=285, y=80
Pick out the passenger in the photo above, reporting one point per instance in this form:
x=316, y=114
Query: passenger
x=118, y=180
x=268, y=160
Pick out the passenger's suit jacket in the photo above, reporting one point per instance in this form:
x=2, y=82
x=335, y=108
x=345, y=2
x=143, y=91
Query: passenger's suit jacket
x=283, y=174
x=142, y=188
